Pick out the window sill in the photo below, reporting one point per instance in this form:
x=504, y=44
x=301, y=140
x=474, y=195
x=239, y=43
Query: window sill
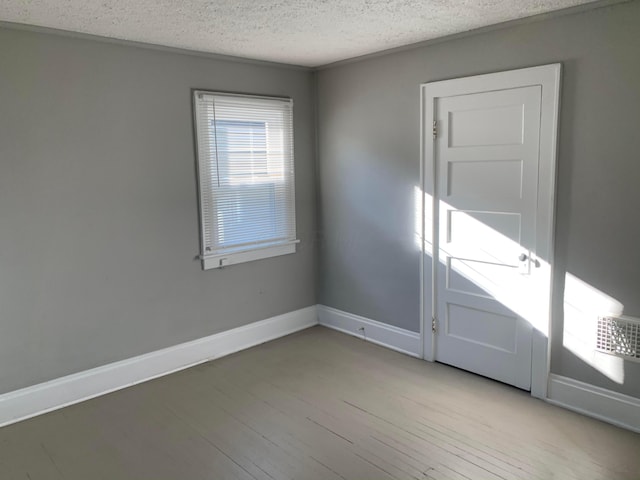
x=232, y=258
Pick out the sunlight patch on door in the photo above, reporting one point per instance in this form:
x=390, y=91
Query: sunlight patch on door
x=525, y=294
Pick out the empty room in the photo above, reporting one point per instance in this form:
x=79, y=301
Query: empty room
x=330, y=240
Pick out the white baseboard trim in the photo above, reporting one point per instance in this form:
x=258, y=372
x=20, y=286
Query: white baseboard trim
x=398, y=339
x=61, y=392
x=606, y=405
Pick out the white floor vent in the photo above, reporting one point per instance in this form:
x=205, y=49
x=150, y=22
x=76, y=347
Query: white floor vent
x=619, y=336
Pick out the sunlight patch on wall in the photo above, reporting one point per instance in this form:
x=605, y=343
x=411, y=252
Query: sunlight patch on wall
x=423, y=237
x=583, y=304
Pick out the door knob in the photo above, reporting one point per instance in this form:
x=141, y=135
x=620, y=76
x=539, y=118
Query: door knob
x=522, y=257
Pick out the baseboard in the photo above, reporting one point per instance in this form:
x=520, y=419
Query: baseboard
x=398, y=339
x=45, y=397
x=606, y=405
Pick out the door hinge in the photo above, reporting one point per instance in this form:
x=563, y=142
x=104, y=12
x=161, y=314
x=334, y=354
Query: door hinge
x=435, y=129
x=433, y=324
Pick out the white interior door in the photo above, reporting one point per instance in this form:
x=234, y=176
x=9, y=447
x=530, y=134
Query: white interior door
x=487, y=196
x=486, y=163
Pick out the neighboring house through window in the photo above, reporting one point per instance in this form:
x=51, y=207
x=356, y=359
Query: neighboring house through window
x=246, y=176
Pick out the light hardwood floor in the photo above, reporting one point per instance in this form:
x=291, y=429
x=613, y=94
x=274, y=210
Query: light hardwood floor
x=317, y=405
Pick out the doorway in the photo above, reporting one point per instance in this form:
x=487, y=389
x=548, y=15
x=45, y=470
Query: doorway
x=488, y=158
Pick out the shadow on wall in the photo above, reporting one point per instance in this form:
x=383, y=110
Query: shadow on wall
x=493, y=273
x=356, y=251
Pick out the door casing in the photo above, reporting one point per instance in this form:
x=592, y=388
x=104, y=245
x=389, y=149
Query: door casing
x=548, y=77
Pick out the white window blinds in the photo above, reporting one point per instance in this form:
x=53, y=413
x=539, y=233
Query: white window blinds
x=245, y=159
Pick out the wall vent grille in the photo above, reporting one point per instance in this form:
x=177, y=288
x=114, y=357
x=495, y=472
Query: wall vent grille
x=619, y=336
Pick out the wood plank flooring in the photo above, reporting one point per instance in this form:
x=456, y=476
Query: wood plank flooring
x=317, y=405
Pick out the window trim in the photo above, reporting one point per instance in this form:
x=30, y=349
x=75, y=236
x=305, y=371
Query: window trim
x=244, y=253
x=248, y=255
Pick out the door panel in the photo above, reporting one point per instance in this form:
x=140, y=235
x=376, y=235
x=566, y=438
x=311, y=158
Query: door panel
x=486, y=158
x=474, y=277
x=484, y=225
x=482, y=327
x=469, y=128
x=501, y=180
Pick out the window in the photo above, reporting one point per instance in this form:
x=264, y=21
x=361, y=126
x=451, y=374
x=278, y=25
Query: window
x=245, y=165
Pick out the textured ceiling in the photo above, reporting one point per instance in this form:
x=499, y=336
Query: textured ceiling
x=300, y=32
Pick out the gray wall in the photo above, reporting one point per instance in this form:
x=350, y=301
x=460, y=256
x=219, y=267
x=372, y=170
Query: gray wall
x=369, y=166
x=98, y=205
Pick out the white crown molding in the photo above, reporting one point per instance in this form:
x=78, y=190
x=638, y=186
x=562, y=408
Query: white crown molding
x=61, y=392
x=148, y=46
x=582, y=8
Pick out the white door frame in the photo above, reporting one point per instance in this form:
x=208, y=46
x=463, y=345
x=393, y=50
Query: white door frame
x=547, y=76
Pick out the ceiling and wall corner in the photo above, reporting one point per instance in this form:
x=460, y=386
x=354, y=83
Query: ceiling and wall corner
x=300, y=32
